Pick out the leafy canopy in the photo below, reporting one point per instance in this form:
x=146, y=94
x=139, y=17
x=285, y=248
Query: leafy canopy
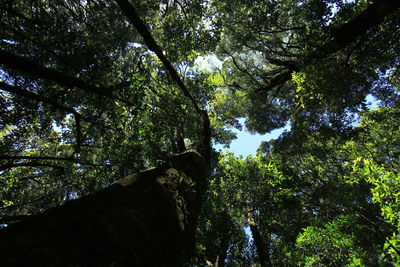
x=84, y=102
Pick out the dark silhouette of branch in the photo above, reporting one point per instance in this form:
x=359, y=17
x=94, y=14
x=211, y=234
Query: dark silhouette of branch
x=244, y=70
x=34, y=162
x=35, y=158
x=262, y=247
x=137, y=22
x=276, y=81
x=28, y=164
x=204, y=146
x=372, y=16
x=27, y=66
x=51, y=101
x=377, y=229
x=39, y=98
x=340, y=38
x=13, y=219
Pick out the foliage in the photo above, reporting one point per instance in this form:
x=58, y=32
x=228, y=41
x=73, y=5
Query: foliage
x=61, y=142
x=379, y=167
x=332, y=244
x=84, y=102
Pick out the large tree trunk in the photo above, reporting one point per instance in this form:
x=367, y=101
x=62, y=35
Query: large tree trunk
x=146, y=219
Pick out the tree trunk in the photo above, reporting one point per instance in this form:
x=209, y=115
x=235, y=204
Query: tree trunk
x=262, y=247
x=220, y=261
x=146, y=219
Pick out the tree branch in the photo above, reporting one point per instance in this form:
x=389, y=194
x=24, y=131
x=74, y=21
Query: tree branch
x=39, y=98
x=36, y=158
x=376, y=227
x=28, y=164
x=27, y=66
x=30, y=95
x=13, y=219
x=372, y=16
x=205, y=140
x=275, y=81
x=349, y=32
x=137, y=22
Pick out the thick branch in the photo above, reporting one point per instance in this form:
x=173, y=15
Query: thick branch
x=36, y=158
x=27, y=66
x=372, y=16
x=130, y=12
x=204, y=146
x=13, y=219
x=27, y=164
x=349, y=32
x=31, y=95
x=135, y=19
x=377, y=228
x=6, y=157
x=261, y=246
x=277, y=80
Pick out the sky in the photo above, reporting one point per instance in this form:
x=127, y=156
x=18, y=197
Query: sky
x=247, y=143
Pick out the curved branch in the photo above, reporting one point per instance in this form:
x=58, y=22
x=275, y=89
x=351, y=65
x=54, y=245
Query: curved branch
x=340, y=38
x=31, y=95
x=28, y=164
x=205, y=139
x=36, y=158
x=27, y=66
x=377, y=229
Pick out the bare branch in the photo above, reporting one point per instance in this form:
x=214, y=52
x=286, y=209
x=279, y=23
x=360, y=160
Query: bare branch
x=376, y=227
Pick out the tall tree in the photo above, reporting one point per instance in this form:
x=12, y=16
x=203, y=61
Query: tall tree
x=146, y=219
x=163, y=200
x=92, y=91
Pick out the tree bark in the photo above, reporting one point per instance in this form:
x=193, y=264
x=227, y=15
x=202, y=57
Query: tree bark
x=145, y=219
x=216, y=255
x=262, y=247
x=138, y=23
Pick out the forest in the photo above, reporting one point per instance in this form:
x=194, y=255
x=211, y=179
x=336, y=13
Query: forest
x=111, y=112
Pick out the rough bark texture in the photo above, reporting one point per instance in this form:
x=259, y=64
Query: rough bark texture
x=146, y=219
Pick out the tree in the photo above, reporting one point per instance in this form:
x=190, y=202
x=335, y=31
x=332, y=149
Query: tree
x=170, y=195
x=344, y=179
x=92, y=91
x=159, y=206
x=280, y=58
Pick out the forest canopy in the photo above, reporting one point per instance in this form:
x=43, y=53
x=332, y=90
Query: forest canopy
x=92, y=91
